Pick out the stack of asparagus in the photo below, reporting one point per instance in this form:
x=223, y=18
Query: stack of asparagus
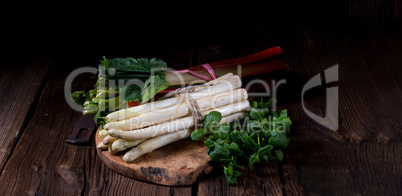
x=153, y=125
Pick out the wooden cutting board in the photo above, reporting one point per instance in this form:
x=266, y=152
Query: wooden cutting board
x=178, y=164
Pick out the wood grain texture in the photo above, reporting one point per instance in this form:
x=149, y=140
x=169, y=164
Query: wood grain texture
x=41, y=157
x=314, y=165
x=264, y=179
x=20, y=83
x=42, y=163
x=362, y=158
x=177, y=164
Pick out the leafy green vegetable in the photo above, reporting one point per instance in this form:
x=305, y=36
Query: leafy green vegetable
x=153, y=85
x=220, y=153
x=131, y=93
x=231, y=174
x=122, y=80
x=79, y=97
x=198, y=134
x=212, y=119
x=261, y=137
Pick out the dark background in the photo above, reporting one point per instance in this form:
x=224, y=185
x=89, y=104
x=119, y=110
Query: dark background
x=120, y=30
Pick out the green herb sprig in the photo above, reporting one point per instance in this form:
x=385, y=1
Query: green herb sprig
x=261, y=136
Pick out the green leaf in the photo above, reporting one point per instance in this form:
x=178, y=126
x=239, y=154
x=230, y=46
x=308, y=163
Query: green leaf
x=79, y=97
x=254, y=114
x=209, y=143
x=236, y=137
x=254, y=104
x=231, y=174
x=100, y=119
x=254, y=158
x=249, y=143
x=264, y=157
x=269, y=103
x=131, y=65
x=263, y=113
x=234, y=149
x=287, y=122
x=223, y=131
x=277, y=156
x=237, y=125
x=91, y=108
x=112, y=72
x=265, y=150
x=153, y=85
x=213, y=117
x=253, y=126
x=220, y=153
x=198, y=134
x=110, y=105
x=131, y=93
x=283, y=114
x=279, y=141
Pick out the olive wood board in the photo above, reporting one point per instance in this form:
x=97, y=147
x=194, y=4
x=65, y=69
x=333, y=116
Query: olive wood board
x=177, y=164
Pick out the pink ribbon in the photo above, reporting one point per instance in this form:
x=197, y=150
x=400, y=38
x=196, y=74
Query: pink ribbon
x=206, y=66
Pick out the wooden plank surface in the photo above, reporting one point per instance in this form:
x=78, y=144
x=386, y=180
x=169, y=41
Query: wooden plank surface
x=362, y=158
x=46, y=161
x=20, y=83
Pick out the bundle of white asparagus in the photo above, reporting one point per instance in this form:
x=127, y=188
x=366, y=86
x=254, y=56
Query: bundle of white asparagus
x=150, y=126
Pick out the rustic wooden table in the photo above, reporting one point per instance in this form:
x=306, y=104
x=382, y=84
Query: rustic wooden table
x=363, y=157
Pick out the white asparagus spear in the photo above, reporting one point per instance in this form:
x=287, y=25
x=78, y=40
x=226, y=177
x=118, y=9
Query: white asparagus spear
x=102, y=146
x=108, y=140
x=155, y=143
x=177, y=111
x=225, y=83
x=232, y=118
x=224, y=77
x=175, y=125
x=103, y=133
x=120, y=145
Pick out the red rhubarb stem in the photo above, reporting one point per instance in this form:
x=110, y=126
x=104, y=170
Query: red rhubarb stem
x=252, y=58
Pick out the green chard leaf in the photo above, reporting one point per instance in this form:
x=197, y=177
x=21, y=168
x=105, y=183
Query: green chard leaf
x=153, y=85
x=79, y=97
x=113, y=79
x=131, y=93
